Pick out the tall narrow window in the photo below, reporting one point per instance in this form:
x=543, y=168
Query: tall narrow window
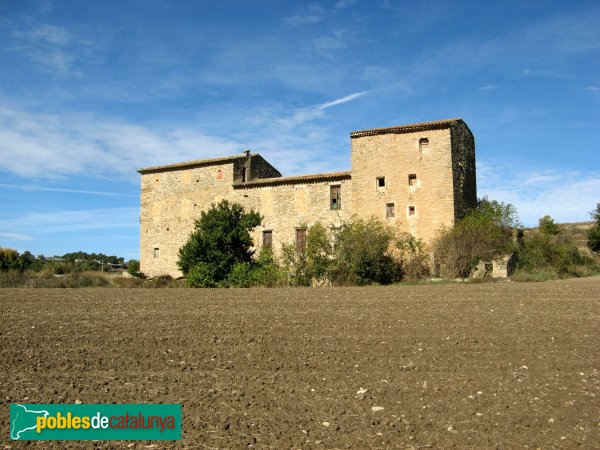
x=219, y=175
x=157, y=252
x=335, y=197
x=412, y=179
x=390, y=210
x=423, y=144
x=411, y=210
x=300, y=239
x=380, y=182
x=268, y=239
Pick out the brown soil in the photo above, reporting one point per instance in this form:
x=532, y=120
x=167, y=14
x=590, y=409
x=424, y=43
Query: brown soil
x=504, y=365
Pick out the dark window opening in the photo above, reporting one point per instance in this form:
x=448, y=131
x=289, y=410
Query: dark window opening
x=380, y=182
x=411, y=210
x=390, y=210
x=156, y=252
x=412, y=179
x=268, y=239
x=300, y=239
x=423, y=144
x=335, y=197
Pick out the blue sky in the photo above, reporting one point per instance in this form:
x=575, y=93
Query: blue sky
x=92, y=91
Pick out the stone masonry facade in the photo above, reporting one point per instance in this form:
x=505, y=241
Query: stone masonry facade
x=417, y=178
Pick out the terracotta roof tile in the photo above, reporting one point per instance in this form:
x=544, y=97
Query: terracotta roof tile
x=298, y=179
x=190, y=164
x=410, y=128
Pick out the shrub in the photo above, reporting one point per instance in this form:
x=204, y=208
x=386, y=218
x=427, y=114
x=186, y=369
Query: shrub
x=548, y=226
x=361, y=254
x=221, y=239
x=594, y=232
x=294, y=263
x=267, y=272
x=133, y=267
x=415, y=261
x=241, y=276
x=483, y=234
x=201, y=276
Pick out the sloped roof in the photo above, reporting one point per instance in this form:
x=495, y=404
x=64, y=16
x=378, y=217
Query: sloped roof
x=410, y=128
x=298, y=179
x=190, y=164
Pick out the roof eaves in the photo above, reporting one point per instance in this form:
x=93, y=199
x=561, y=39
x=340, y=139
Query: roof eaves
x=191, y=164
x=298, y=179
x=410, y=128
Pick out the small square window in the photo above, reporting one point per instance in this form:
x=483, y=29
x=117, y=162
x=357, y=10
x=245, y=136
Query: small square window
x=412, y=179
x=268, y=239
x=411, y=211
x=380, y=182
x=390, y=210
x=157, y=252
x=335, y=197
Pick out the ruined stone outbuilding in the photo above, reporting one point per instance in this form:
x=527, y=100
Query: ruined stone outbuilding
x=417, y=177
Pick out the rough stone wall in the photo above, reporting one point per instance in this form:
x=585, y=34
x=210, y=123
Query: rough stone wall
x=395, y=156
x=286, y=207
x=463, y=167
x=170, y=203
x=260, y=168
x=173, y=200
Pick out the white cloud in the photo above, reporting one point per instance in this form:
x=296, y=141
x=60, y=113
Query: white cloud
x=47, y=146
x=31, y=187
x=487, y=87
x=567, y=196
x=308, y=14
x=339, y=101
x=343, y=4
x=15, y=236
x=68, y=221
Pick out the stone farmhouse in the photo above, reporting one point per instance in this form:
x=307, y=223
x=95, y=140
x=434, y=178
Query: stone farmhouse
x=417, y=177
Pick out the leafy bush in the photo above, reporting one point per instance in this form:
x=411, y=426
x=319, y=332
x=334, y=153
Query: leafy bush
x=201, y=275
x=594, y=232
x=221, y=239
x=483, y=234
x=548, y=226
x=133, y=267
x=414, y=259
x=541, y=252
x=267, y=272
x=361, y=253
x=241, y=275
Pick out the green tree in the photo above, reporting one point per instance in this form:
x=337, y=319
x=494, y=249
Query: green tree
x=220, y=240
x=594, y=232
x=133, y=266
x=548, y=226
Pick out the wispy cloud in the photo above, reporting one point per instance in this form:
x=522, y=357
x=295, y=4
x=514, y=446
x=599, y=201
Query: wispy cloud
x=566, y=196
x=47, y=46
x=47, y=146
x=487, y=87
x=340, y=101
x=67, y=221
x=308, y=14
x=343, y=4
x=15, y=236
x=30, y=188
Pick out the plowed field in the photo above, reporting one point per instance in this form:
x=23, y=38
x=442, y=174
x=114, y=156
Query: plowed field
x=503, y=365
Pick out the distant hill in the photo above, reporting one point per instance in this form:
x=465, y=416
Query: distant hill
x=578, y=232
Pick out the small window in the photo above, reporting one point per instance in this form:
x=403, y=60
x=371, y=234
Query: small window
x=423, y=144
x=335, y=197
x=300, y=239
x=219, y=175
x=390, y=210
x=412, y=179
x=268, y=239
x=157, y=252
x=411, y=211
x=380, y=182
